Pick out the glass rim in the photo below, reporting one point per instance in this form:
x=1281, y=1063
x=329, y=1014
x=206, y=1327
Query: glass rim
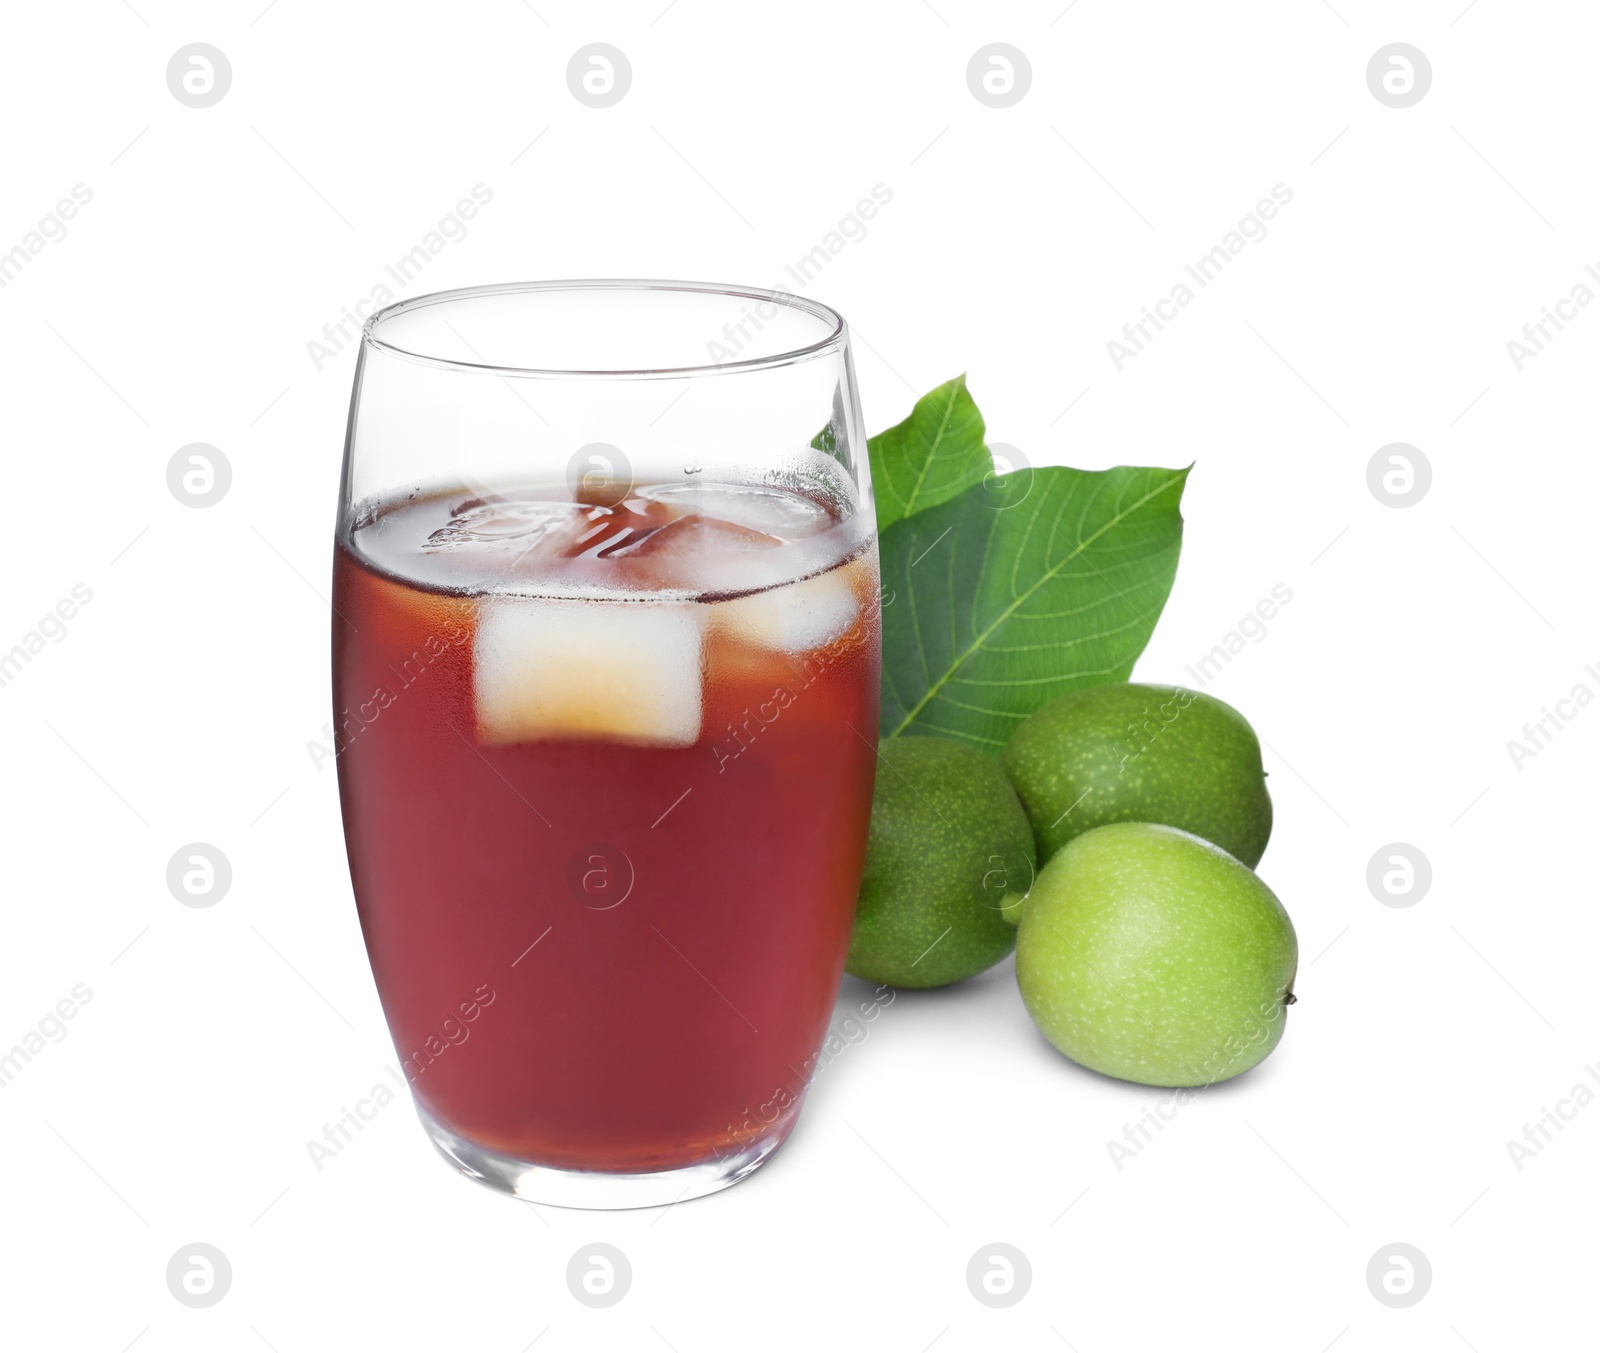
x=834, y=340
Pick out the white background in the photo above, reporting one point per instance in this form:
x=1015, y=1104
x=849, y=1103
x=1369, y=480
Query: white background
x=178, y=707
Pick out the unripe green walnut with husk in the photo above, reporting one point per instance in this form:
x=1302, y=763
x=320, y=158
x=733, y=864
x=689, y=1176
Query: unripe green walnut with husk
x=1150, y=955
x=948, y=842
x=1140, y=753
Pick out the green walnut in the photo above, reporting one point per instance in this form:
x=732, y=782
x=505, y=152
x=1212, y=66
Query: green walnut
x=1150, y=955
x=1134, y=753
x=948, y=845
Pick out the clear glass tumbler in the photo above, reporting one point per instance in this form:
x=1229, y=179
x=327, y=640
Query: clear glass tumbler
x=606, y=656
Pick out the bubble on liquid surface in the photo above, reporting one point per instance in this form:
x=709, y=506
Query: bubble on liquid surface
x=774, y=512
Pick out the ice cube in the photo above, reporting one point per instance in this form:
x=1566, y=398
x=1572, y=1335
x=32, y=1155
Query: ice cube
x=794, y=618
x=775, y=512
x=693, y=535
x=620, y=529
x=527, y=525
x=624, y=671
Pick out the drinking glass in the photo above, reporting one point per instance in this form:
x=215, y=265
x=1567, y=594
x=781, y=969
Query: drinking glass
x=606, y=658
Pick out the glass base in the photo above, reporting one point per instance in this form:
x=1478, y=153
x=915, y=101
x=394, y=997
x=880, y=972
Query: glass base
x=600, y=1189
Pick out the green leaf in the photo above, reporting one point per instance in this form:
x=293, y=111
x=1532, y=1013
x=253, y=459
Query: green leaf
x=1033, y=584
x=931, y=457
